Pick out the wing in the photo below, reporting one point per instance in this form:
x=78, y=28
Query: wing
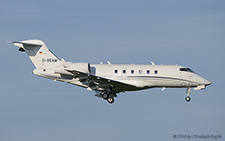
x=92, y=82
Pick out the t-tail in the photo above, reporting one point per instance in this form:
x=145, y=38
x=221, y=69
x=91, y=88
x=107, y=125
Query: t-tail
x=38, y=53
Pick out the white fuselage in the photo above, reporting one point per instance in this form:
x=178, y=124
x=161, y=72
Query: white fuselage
x=140, y=76
x=151, y=75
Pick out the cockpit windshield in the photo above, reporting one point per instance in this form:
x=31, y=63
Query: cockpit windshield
x=187, y=69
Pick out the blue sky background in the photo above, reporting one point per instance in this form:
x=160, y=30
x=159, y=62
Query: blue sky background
x=189, y=33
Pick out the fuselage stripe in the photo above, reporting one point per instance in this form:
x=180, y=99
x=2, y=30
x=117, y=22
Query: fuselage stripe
x=164, y=78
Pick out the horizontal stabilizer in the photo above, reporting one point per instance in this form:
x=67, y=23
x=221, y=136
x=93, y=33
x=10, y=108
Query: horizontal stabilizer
x=28, y=42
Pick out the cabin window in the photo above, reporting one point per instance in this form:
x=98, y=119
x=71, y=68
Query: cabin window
x=124, y=71
x=156, y=72
x=140, y=71
x=132, y=71
x=116, y=71
x=148, y=71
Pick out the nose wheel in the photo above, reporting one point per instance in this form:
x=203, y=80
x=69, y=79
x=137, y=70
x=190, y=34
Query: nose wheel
x=187, y=98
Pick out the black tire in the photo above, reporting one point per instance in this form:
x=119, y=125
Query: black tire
x=187, y=98
x=110, y=100
x=105, y=96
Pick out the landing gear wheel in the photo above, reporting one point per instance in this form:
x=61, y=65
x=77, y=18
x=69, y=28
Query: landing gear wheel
x=188, y=99
x=110, y=100
x=105, y=96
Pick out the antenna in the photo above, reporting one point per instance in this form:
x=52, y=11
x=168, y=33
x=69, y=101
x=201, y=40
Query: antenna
x=152, y=63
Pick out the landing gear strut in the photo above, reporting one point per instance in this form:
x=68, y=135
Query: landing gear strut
x=187, y=98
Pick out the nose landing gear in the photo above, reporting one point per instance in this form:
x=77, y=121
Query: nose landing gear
x=187, y=98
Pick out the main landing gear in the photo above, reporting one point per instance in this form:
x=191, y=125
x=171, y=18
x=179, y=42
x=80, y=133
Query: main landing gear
x=108, y=97
x=187, y=98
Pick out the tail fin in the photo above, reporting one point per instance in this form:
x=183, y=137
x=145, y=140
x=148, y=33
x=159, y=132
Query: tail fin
x=38, y=53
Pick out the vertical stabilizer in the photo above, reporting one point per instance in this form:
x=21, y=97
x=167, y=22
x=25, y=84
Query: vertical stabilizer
x=38, y=53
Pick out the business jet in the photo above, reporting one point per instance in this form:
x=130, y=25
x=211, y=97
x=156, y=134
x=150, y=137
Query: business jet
x=108, y=80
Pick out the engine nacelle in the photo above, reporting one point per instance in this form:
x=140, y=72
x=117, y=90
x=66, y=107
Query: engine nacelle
x=82, y=67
